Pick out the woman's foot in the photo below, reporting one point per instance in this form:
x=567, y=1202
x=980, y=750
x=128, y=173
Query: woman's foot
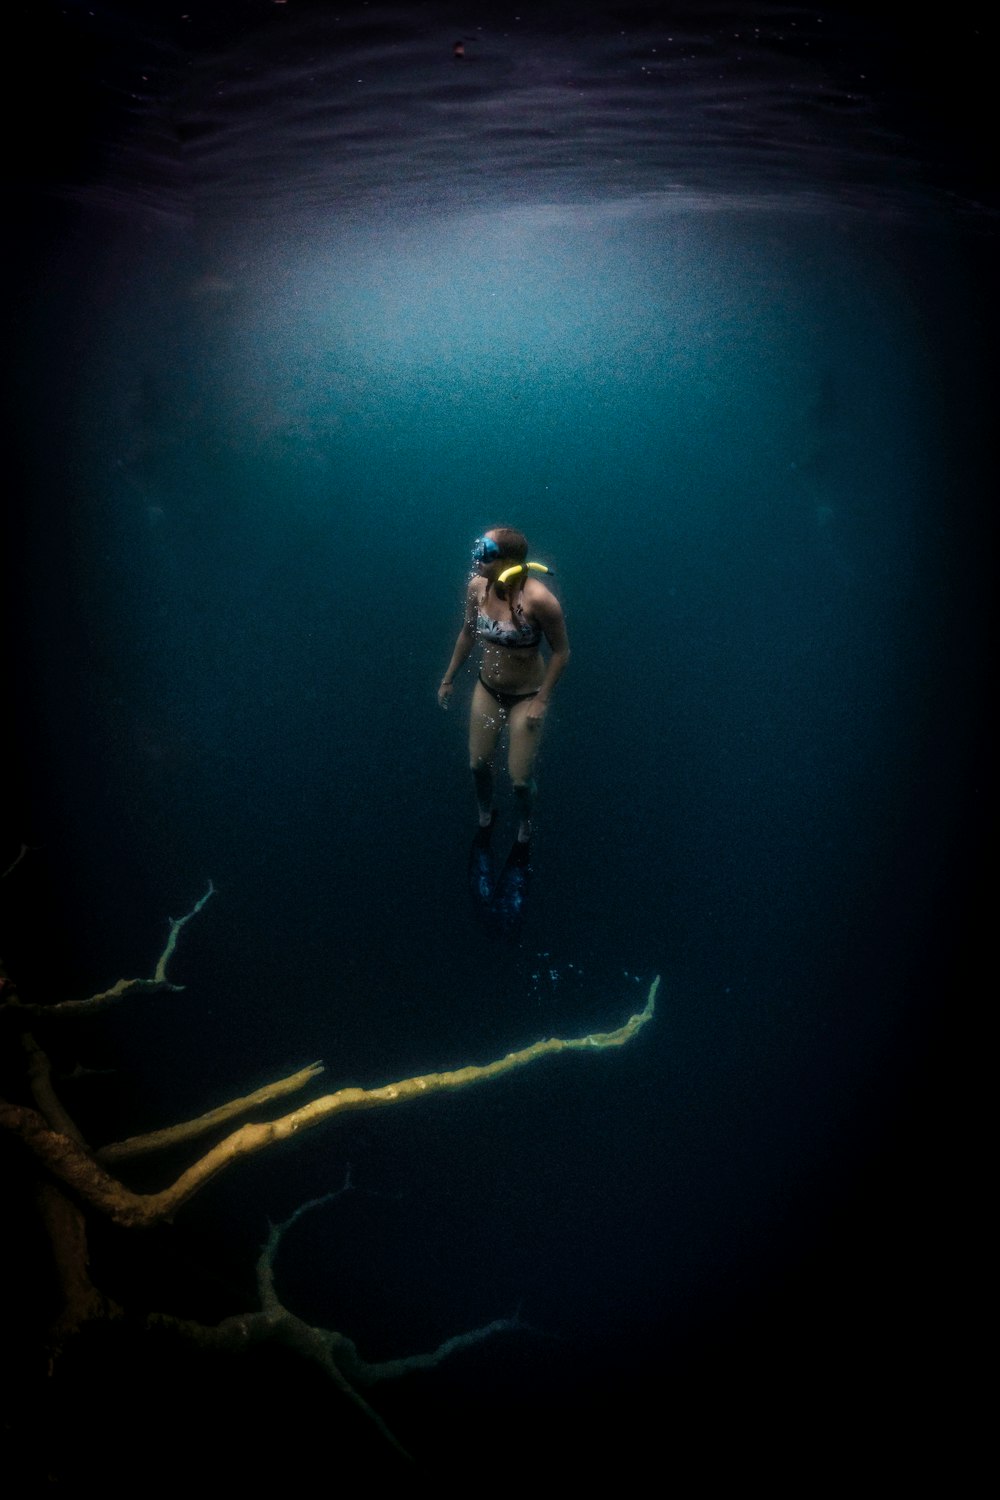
x=524, y=831
x=487, y=817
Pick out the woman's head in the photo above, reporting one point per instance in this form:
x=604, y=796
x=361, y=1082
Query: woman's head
x=495, y=551
x=513, y=544
x=498, y=548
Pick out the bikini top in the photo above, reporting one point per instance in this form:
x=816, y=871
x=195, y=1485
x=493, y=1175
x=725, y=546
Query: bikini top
x=523, y=637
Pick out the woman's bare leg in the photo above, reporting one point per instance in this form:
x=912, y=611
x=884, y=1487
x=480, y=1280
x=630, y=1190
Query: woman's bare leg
x=521, y=751
x=485, y=723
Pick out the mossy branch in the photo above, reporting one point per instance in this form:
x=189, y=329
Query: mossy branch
x=334, y=1352
x=189, y=1130
x=123, y=989
x=77, y=1168
x=77, y=1178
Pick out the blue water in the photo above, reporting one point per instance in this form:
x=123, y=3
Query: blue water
x=701, y=308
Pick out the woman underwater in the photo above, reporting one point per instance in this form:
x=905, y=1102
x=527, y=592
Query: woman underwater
x=509, y=610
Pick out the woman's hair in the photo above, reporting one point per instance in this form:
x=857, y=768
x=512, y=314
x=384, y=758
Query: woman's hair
x=513, y=544
x=513, y=549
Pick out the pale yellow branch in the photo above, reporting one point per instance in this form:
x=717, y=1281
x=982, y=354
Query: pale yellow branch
x=77, y=1168
x=124, y=987
x=189, y=1130
x=176, y=923
x=71, y=1163
x=93, y=1003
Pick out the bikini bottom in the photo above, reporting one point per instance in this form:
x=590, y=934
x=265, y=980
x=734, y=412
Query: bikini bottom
x=507, y=700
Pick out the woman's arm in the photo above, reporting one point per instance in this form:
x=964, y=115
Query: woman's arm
x=463, y=647
x=548, y=612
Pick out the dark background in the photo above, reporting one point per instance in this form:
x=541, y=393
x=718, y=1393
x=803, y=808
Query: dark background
x=747, y=1240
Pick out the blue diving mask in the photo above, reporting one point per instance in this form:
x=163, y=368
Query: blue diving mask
x=485, y=550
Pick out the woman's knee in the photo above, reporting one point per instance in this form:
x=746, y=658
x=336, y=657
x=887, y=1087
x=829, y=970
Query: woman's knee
x=521, y=759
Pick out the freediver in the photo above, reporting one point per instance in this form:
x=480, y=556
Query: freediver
x=509, y=610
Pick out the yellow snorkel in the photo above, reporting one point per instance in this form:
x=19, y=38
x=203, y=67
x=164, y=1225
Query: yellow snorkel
x=521, y=568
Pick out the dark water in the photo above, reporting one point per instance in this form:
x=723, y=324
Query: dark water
x=703, y=302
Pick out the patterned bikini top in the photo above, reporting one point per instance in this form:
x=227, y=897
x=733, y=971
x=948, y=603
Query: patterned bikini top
x=516, y=637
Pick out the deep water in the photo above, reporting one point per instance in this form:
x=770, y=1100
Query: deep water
x=748, y=431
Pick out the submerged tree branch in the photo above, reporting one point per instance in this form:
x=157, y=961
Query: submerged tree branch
x=368, y=1373
x=176, y=923
x=43, y=1090
x=124, y=988
x=77, y=1178
x=189, y=1130
x=78, y=1169
x=335, y=1353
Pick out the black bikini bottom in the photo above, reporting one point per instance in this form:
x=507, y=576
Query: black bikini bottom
x=507, y=700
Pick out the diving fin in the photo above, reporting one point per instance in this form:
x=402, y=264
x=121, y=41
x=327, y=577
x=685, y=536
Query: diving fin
x=510, y=893
x=481, y=872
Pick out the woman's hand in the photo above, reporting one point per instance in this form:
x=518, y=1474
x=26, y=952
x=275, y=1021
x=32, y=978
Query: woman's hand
x=535, y=713
x=444, y=693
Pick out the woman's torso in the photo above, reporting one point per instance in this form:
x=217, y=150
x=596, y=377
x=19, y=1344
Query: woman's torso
x=511, y=660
